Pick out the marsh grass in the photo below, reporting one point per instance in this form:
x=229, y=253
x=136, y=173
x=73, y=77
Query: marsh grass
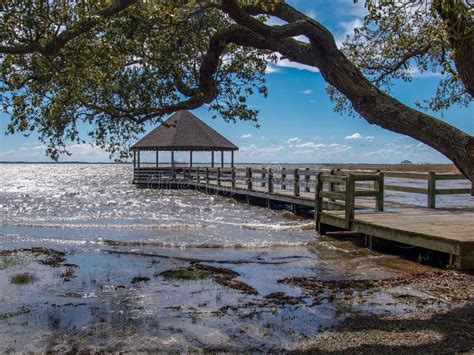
x=7, y=262
x=184, y=274
x=23, y=278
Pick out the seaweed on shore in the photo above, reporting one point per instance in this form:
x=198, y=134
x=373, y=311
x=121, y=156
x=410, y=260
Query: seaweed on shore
x=222, y=276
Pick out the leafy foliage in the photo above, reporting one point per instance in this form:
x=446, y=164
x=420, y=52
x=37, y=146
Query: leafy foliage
x=399, y=40
x=118, y=75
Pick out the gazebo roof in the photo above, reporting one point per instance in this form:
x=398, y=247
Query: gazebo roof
x=184, y=131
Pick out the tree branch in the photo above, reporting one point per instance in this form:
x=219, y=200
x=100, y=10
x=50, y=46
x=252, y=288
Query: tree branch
x=53, y=46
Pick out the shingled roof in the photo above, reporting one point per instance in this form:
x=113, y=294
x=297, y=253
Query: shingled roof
x=184, y=131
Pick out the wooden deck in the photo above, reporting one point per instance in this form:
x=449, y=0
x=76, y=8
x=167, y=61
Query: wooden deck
x=343, y=201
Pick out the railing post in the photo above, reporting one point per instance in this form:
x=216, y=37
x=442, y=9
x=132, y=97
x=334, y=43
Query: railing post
x=318, y=200
x=198, y=175
x=249, y=178
x=296, y=183
x=232, y=174
x=207, y=176
x=379, y=187
x=219, y=172
x=431, y=190
x=283, y=178
x=270, y=181
x=263, y=177
x=332, y=185
x=350, y=200
x=307, y=181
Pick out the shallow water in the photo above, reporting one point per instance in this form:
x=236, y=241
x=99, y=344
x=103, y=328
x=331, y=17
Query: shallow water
x=115, y=232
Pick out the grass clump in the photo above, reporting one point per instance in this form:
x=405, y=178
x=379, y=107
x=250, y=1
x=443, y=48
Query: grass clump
x=185, y=274
x=23, y=279
x=7, y=262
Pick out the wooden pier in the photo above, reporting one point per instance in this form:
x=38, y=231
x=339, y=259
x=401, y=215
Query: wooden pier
x=341, y=200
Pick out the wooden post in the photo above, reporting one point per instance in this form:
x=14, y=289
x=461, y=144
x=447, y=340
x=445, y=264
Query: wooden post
x=296, y=183
x=350, y=200
x=232, y=158
x=431, y=190
x=138, y=161
x=207, y=176
x=249, y=178
x=264, y=174
x=198, y=175
x=332, y=185
x=379, y=187
x=134, y=159
x=307, y=180
x=191, y=158
x=173, y=174
x=222, y=158
x=212, y=159
x=318, y=200
x=232, y=174
x=270, y=181
x=219, y=172
x=283, y=178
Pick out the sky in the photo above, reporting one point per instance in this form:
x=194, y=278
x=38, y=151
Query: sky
x=297, y=121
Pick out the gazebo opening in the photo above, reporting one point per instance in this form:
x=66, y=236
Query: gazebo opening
x=182, y=136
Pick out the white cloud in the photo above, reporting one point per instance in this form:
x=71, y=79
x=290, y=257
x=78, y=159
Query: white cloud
x=354, y=136
x=246, y=136
x=271, y=69
x=302, y=38
x=348, y=28
x=311, y=145
x=306, y=92
x=311, y=13
x=357, y=135
x=293, y=140
x=285, y=63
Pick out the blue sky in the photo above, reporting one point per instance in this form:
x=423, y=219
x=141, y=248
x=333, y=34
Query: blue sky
x=297, y=121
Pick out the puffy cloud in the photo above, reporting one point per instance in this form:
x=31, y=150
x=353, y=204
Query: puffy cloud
x=357, y=135
x=311, y=145
x=354, y=136
x=271, y=69
x=293, y=140
x=246, y=136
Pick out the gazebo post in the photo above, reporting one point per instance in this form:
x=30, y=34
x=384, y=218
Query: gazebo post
x=212, y=158
x=222, y=158
x=134, y=158
x=231, y=158
x=190, y=158
x=138, y=159
x=157, y=160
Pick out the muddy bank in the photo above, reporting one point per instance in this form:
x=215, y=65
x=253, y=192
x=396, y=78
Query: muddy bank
x=134, y=302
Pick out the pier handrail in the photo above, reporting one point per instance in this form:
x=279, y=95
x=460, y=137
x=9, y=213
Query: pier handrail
x=348, y=194
x=302, y=181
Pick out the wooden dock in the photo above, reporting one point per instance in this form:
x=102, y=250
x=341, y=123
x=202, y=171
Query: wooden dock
x=341, y=200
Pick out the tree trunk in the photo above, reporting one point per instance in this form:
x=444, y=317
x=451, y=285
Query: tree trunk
x=458, y=20
x=370, y=102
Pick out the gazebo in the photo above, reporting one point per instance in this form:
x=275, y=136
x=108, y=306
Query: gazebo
x=182, y=132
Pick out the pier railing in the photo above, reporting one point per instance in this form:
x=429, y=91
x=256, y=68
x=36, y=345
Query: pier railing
x=347, y=195
x=302, y=182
